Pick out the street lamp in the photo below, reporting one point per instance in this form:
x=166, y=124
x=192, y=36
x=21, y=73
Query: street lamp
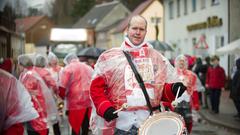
x=156, y=20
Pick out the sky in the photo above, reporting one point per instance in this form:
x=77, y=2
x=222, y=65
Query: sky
x=36, y=3
x=25, y=4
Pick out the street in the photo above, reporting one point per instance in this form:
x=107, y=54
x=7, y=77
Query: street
x=205, y=128
x=199, y=128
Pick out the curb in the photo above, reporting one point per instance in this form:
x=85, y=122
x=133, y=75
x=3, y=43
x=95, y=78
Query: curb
x=217, y=122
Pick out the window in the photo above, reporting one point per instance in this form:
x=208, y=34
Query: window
x=222, y=41
x=194, y=5
x=178, y=8
x=194, y=41
x=185, y=7
x=219, y=41
x=203, y=4
x=215, y=2
x=170, y=10
x=3, y=46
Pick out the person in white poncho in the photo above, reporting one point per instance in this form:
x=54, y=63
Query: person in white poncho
x=15, y=105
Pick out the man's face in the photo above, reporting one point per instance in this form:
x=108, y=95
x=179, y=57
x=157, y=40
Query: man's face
x=181, y=64
x=137, y=30
x=20, y=68
x=53, y=63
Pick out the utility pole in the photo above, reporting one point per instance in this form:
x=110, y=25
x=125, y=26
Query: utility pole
x=156, y=20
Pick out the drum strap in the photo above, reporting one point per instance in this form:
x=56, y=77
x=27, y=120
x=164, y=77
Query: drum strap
x=140, y=81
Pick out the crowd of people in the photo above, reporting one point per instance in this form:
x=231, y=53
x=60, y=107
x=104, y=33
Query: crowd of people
x=213, y=78
x=94, y=94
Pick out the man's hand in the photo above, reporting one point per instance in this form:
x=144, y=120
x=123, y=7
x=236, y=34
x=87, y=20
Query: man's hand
x=109, y=114
x=175, y=87
x=206, y=85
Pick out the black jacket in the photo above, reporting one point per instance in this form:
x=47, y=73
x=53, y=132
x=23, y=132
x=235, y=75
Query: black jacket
x=235, y=90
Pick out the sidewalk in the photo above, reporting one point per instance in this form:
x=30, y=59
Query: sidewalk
x=225, y=117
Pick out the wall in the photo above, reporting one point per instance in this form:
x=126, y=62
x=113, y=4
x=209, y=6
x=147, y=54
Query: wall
x=234, y=19
x=154, y=10
x=118, y=12
x=176, y=28
x=38, y=31
x=234, y=29
x=17, y=45
x=103, y=39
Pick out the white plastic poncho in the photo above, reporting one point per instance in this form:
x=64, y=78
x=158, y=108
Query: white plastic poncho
x=41, y=95
x=188, y=77
x=76, y=78
x=15, y=102
x=121, y=85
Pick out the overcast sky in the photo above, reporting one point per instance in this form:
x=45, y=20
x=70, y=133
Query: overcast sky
x=36, y=3
x=25, y=4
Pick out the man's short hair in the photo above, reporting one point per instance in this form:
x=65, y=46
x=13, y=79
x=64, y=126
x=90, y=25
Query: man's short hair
x=135, y=16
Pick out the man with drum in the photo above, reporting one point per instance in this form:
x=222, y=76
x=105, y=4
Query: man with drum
x=115, y=85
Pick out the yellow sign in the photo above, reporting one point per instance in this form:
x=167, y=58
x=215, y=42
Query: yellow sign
x=211, y=22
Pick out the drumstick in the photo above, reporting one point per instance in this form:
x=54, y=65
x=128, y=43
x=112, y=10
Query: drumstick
x=174, y=103
x=124, y=106
x=177, y=93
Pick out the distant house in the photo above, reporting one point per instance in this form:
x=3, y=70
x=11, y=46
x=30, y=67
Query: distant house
x=100, y=20
x=152, y=10
x=37, y=32
x=10, y=41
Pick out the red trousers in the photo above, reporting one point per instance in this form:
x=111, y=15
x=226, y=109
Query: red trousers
x=76, y=117
x=16, y=129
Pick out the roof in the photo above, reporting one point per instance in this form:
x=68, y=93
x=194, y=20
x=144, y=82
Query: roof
x=113, y=25
x=24, y=24
x=136, y=11
x=95, y=15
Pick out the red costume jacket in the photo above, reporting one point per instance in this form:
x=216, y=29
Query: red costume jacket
x=114, y=83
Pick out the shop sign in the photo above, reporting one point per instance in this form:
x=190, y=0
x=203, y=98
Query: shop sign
x=211, y=22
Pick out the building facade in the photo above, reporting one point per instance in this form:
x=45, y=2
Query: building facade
x=99, y=21
x=197, y=27
x=152, y=10
x=234, y=29
x=11, y=42
x=37, y=33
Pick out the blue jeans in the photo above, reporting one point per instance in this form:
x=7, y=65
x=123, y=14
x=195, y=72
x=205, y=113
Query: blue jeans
x=132, y=131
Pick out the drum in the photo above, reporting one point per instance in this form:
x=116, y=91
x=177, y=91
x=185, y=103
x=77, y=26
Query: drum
x=163, y=123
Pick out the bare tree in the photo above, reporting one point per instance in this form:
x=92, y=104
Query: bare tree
x=61, y=13
x=48, y=7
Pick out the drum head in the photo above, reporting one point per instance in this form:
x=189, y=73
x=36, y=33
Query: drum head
x=165, y=123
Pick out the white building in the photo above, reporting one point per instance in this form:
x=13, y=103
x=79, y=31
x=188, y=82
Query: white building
x=197, y=27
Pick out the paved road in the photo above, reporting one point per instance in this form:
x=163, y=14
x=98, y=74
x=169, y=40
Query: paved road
x=201, y=127
x=205, y=128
